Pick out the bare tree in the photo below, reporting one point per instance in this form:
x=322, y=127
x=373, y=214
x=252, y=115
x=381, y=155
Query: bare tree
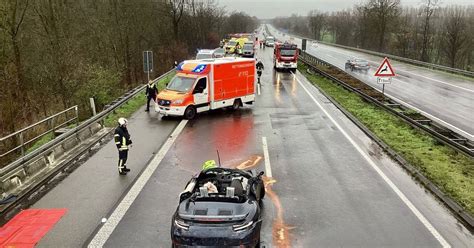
x=456, y=38
x=384, y=14
x=428, y=9
x=317, y=21
x=177, y=8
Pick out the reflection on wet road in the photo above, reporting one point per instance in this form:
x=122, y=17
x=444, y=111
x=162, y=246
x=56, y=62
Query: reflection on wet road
x=322, y=192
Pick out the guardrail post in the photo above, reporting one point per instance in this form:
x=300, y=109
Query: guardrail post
x=76, y=111
x=21, y=144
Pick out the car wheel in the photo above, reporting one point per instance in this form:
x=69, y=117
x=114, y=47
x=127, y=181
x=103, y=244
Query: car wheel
x=190, y=113
x=236, y=104
x=262, y=191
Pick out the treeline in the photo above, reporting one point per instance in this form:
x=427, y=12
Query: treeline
x=430, y=32
x=59, y=53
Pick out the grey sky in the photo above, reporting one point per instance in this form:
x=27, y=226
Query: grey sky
x=272, y=8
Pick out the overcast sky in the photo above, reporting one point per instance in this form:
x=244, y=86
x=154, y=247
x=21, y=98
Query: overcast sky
x=264, y=9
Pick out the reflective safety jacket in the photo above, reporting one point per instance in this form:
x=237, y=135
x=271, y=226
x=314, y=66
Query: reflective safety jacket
x=122, y=138
x=151, y=90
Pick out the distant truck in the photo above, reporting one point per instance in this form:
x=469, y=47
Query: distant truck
x=285, y=56
x=202, y=85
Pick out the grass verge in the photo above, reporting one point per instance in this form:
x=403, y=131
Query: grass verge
x=130, y=107
x=43, y=140
x=451, y=171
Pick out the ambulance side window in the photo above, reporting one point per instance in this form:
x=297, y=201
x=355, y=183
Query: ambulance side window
x=200, y=86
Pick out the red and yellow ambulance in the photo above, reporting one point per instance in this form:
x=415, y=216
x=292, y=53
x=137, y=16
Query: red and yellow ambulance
x=202, y=85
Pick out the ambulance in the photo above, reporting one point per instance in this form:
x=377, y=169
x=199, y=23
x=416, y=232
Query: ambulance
x=202, y=85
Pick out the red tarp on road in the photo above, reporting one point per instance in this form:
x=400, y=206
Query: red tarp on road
x=29, y=226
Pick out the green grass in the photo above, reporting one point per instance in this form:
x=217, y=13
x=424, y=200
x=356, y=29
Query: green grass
x=451, y=171
x=130, y=107
x=43, y=140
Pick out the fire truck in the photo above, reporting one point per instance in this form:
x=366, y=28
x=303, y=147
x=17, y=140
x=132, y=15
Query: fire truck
x=285, y=56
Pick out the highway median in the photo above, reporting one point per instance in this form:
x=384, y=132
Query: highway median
x=451, y=171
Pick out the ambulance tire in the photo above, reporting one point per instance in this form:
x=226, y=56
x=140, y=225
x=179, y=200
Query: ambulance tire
x=190, y=113
x=237, y=104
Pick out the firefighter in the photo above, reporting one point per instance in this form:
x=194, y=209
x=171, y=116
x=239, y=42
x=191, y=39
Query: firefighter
x=123, y=141
x=260, y=68
x=151, y=92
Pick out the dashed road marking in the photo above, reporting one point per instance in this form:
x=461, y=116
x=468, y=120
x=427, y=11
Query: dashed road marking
x=106, y=230
x=397, y=191
x=268, y=168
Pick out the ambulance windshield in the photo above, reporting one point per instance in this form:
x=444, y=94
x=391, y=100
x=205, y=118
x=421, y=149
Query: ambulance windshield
x=180, y=84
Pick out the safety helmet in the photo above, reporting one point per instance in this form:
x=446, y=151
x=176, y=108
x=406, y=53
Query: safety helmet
x=209, y=164
x=122, y=121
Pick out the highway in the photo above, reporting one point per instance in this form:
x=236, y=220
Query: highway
x=444, y=97
x=331, y=186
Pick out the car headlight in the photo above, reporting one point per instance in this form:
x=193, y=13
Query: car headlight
x=181, y=224
x=241, y=227
x=179, y=101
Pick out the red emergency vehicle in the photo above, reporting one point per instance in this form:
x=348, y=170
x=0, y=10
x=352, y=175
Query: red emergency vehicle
x=285, y=56
x=202, y=85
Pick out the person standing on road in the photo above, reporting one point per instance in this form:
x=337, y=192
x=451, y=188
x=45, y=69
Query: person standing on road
x=151, y=93
x=122, y=141
x=260, y=68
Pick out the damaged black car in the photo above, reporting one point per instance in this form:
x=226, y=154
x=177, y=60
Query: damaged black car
x=220, y=207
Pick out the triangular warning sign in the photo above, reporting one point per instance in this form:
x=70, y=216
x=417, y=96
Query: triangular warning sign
x=385, y=69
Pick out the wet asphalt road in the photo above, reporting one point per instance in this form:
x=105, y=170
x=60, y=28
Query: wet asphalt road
x=325, y=193
x=448, y=97
x=328, y=194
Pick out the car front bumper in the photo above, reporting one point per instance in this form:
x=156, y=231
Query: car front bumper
x=286, y=65
x=170, y=110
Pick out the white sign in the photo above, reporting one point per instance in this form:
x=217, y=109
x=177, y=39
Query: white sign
x=384, y=80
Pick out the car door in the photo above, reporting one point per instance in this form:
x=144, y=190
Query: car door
x=201, y=94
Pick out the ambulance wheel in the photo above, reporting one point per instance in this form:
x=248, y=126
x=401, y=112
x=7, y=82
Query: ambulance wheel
x=190, y=113
x=237, y=104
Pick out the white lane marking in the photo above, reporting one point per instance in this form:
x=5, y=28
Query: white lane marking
x=258, y=88
x=399, y=193
x=268, y=168
x=454, y=128
x=405, y=71
x=106, y=230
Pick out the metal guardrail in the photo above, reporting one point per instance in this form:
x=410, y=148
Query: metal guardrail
x=18, y=164
x=453, y=205
x=394, y=57
x=51, y=128
x=440, y=133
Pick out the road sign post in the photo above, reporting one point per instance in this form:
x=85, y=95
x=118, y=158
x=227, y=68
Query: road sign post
x=303, y=45
x=148, y=63
x=384, y=74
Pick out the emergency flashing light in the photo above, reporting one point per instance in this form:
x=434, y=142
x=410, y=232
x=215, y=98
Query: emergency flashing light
x=199, y=68
x=180, y=66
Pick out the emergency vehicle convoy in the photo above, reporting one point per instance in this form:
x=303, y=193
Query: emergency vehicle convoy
x=202, y=85
x=285, y=56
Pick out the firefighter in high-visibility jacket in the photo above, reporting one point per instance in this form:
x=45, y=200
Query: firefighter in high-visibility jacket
x=151, y=93
x=123, y=141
